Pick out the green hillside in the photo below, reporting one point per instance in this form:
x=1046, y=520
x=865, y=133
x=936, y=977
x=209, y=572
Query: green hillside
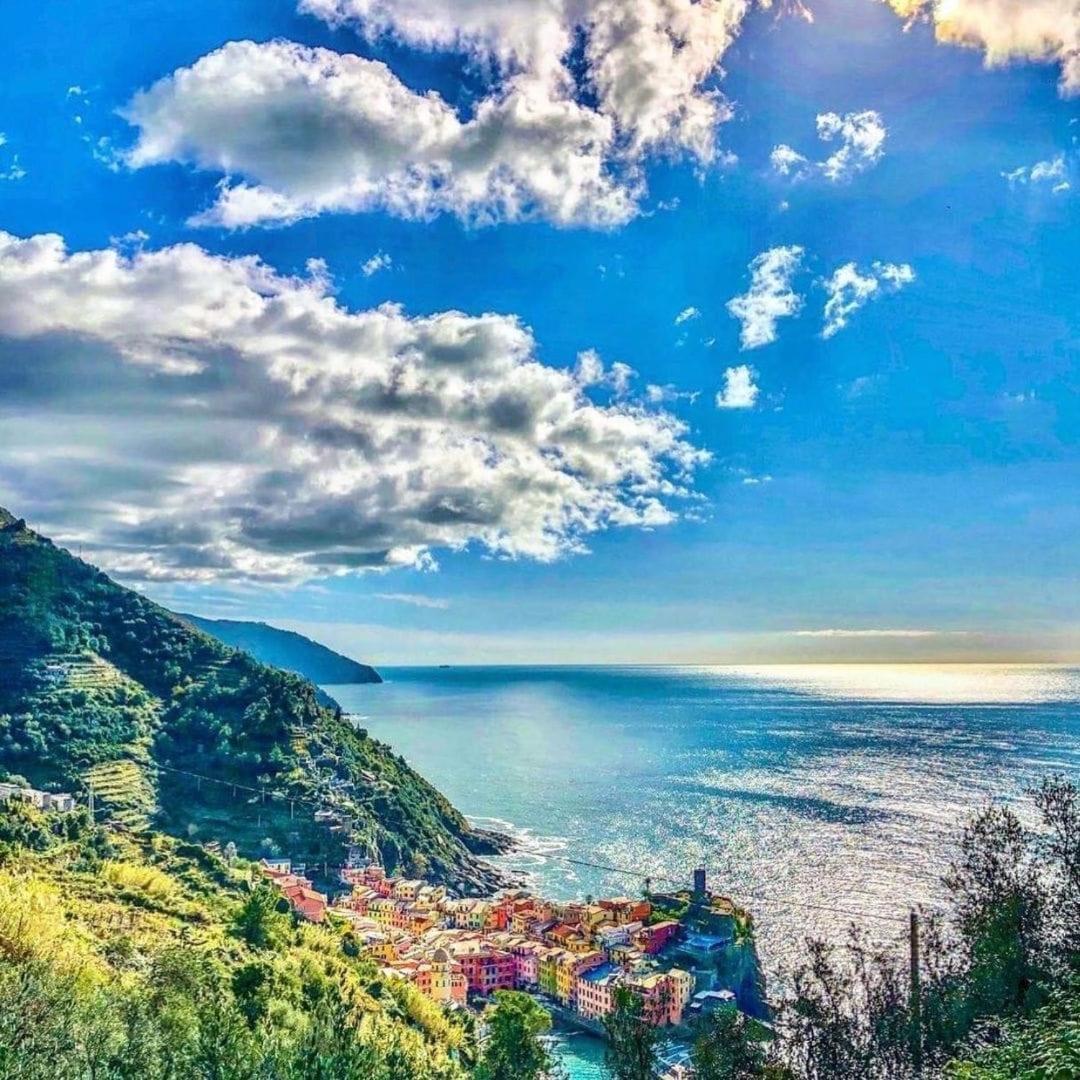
x=137, y=956
x=102, y=689
x=288, y=650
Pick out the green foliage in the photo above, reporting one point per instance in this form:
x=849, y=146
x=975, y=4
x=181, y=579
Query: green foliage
x=515, y=1049
x=1044, y=1047
x=1008, y=945
x=258, y=920
x=98, y=685
x=724, y=1049
x=631, y=1052
x=95, y=985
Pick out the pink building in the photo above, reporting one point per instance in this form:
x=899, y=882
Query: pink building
x=595, y=993
x=527, y=964
x=488, y=970
x=651, y=939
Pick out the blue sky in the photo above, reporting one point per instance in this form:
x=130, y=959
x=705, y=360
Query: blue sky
x=901, y=486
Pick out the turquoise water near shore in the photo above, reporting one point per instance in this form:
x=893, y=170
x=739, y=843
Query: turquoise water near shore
x=814, y=794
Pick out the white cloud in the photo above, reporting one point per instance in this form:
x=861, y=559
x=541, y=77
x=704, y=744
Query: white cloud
x=415, y=600
x=646, y=61
x=686, y=315
x=658, y=395
x=788, y=162
x=739, y=390
x=379, y=261
x=579, y=93
x=848, y=290
x=311, y=130
x=190, y=416
x=770, y=296
x=13, y=170
x=861, y=136
x=1007, y=30
x=1053, y=172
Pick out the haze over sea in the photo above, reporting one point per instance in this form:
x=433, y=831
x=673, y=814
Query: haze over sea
x=839, y=787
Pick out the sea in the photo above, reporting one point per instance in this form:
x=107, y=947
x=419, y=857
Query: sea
x=818, y=796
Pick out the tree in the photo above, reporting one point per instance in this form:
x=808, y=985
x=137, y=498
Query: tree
x=631, y=1049
x=515, y=1047
x=258, y=921
x=1042, y=1046
x=723, y=1049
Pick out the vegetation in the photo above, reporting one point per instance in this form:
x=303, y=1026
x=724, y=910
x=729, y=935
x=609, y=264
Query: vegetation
x=631, y=1052
x=515, y=1048
x=287, y=650
x=159, y=962
x=100, y=688
x=1000, y=988
x=1044, y=1046
x=725, y=1048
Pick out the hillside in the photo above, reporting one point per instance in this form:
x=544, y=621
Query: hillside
x=136, y=956
x=287, y=650
x=101, y=688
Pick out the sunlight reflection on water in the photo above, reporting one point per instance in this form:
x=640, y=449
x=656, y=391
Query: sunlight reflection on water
x=838, y=786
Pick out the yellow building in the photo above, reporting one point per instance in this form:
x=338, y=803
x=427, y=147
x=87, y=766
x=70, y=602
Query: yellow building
x=682, y=983
x=406, y=889
x=547, y=971
x=568, y=967
x=441, y=978
x=383, y=949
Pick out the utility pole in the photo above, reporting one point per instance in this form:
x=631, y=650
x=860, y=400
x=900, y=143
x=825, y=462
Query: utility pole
x=916, y=997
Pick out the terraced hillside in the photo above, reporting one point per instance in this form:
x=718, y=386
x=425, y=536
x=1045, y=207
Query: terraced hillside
x=103, y=690
x=136, y=955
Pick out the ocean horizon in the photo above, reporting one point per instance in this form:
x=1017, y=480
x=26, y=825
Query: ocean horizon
x=818, y=796
x=792, y=784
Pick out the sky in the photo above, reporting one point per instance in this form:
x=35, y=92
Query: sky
x=555, y=331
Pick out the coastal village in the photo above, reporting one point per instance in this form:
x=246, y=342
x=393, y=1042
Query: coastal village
x=572, y=955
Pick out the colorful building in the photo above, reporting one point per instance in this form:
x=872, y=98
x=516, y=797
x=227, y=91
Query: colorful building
x=653, y=939
x=307, y=903
x=596, y=991
x=488, y=970
x=441, y=979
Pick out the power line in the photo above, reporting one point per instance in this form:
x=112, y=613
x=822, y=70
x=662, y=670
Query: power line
x=639, y=875
x=756, y=897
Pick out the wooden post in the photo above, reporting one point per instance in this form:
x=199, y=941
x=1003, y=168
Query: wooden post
x=916, y=996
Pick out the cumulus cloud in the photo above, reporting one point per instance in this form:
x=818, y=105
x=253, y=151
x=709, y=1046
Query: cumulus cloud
x=861, y=139
x=579, y=93
x=189, y=416
x=1052, y=173
x=739, y=390
x=860, y=144
x=788, y=162
x=686, y=315
x=848, y=290
x=379, y=261
x=310, y=130
x=1005, y=30
x=770, y=296
x=646, y=61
